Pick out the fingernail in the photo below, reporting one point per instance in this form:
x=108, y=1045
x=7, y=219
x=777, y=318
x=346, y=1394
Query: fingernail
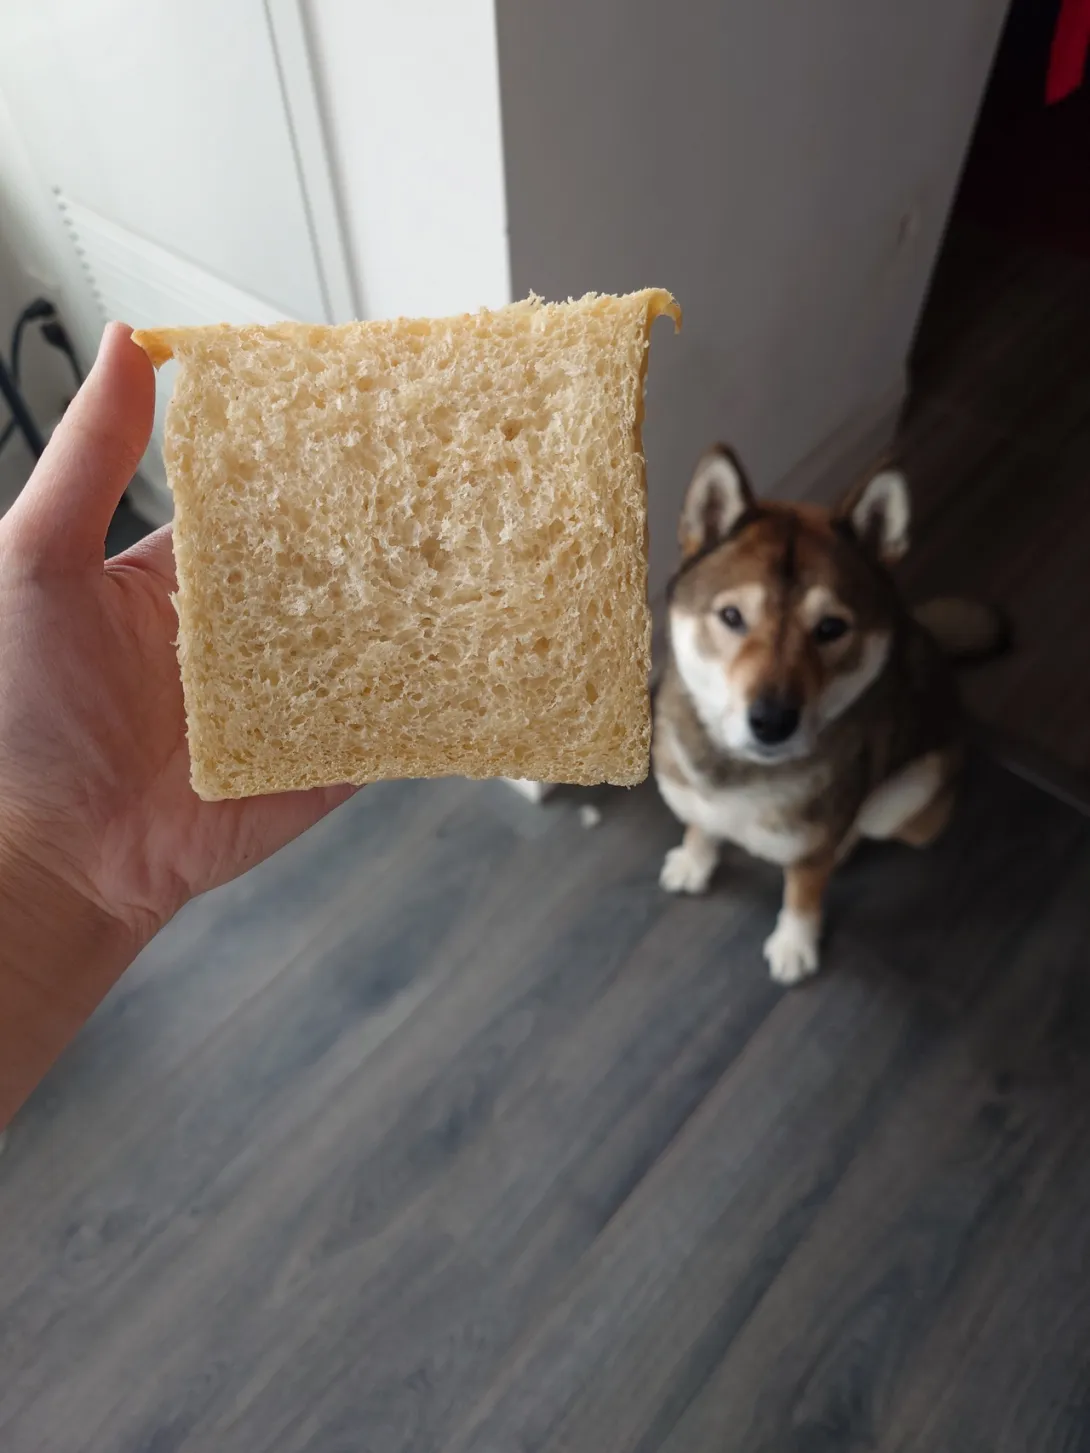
x=111, y=329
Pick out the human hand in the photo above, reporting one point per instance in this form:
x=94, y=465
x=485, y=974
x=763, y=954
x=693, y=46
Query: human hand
x=94, y=770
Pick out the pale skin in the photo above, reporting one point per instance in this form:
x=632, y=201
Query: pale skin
x=102, y=839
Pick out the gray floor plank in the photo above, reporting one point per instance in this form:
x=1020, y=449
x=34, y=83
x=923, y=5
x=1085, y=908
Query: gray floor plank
x=440, y=1133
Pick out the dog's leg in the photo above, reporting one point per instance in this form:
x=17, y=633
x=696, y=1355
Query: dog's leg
x=688, y=867
x=930, y=822
x=792, y=951
x=914, y=804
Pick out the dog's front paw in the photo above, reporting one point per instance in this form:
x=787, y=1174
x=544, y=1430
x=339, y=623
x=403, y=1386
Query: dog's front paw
x=686, y=869
x=792, y=949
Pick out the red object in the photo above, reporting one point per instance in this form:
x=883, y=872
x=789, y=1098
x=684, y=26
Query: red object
x=1070, y=48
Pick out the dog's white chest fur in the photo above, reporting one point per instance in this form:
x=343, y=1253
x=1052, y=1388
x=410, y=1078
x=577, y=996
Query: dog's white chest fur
x=767, y=820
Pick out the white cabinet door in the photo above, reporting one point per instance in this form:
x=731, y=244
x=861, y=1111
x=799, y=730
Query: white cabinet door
x=170, y=136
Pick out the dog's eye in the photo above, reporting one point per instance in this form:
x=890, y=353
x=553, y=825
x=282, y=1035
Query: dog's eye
x=830, y=628
x=732, y=617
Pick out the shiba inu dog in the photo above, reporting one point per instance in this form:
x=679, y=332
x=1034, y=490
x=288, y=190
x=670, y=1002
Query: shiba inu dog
x=803, y=705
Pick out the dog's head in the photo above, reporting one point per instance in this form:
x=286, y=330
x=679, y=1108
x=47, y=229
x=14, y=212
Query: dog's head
x=781, y=616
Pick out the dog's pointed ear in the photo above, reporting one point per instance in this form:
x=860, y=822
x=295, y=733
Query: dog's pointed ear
x=880, y=514
x=718, y=497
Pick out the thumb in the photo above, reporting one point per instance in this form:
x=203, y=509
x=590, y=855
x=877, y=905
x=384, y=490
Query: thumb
x=61, y=517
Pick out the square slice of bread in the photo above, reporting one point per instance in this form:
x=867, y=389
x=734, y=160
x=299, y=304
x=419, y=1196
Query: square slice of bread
x=415, y=548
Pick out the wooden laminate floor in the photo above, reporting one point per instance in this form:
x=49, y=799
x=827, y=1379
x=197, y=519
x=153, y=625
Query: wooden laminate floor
x=997, y=448
x=446, y=1130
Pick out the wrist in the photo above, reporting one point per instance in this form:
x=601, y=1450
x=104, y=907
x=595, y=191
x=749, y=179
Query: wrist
x=60, y=953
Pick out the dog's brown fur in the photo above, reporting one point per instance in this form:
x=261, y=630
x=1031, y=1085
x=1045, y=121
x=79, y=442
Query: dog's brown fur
x=879, y=741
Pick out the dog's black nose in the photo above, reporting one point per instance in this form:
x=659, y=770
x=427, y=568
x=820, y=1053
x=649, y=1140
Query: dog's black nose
x=772, y=720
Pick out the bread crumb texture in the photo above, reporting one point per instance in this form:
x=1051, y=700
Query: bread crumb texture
x=413, y=548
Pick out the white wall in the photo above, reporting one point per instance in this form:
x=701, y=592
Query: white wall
x=27, y=268
x=784, y=166
x=410, y=97
x=410, y=90
x=25, y=273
